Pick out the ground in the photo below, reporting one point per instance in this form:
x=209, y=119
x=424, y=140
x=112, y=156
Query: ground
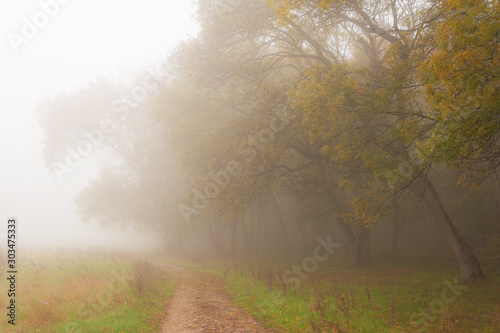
x=201, y=304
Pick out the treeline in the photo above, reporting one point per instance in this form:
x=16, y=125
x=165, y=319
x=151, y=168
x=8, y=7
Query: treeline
x=282, y=121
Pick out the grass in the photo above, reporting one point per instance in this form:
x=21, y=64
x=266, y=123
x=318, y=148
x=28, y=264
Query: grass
x=388, y=297
x=88, y=293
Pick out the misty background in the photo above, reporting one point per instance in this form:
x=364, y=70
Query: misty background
x=334, y=163
x=253, y=131
x=83, y=40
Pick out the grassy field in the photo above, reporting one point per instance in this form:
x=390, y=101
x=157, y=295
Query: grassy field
x=97, y=292
x=104, y=292
x=388, y=297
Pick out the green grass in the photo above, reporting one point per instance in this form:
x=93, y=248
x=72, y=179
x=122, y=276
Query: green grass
x=388, y=297
x=89, y=293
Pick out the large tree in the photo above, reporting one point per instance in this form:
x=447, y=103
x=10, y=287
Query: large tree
x=230, y=90
x=139, y=182
x=369, y=116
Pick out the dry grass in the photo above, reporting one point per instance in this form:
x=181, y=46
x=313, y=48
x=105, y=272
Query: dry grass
x=59, y=293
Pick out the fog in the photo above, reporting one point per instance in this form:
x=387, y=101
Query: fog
x=82, y=40
x=315, y=166
x=216, y=127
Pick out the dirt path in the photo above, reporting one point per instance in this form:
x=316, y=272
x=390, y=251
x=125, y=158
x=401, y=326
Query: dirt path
x=200, y=304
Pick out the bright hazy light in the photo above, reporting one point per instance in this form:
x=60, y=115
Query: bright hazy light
x=50, y=46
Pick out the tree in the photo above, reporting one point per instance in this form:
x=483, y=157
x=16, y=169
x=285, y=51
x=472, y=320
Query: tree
x=139, y=181
x=370, y=118
x=461, y=78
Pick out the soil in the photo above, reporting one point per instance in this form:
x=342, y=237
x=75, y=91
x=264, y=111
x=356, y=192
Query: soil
x=201, y=304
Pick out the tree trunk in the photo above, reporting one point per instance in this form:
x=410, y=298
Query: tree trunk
x=257, y=243
x=348, y=233
x=234, y=229
x=304, y=239
x=246, y=237
x=396, y=228
x=361, y=253
x=286, y=241
x=215, y=236
x=470, y=270
x=346, y=228
x=172, y=243
x=396, y=231
x=496, y=219
x=359, y=244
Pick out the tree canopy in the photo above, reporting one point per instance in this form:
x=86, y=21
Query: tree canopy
x=351, y=104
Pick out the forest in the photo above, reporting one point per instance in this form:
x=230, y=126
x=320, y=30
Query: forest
x=364, y=134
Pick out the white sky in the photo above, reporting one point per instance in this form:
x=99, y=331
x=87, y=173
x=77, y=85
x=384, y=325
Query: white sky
x=82, y=39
